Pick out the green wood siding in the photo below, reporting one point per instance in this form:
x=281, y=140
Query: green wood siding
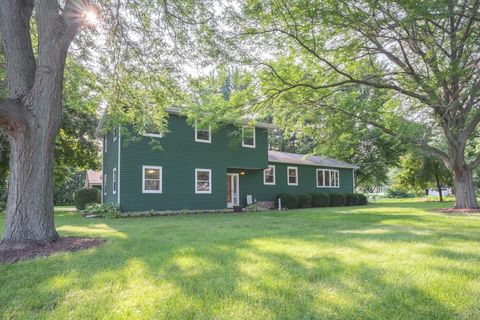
x=179, y=156
x=252, y=182
x=110, y=161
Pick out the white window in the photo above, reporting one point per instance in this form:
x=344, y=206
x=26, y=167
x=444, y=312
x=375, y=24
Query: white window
x=203, y=181
x=153, y=133
x=105, y=184
x=152, y=179
x=248, y=137
x=328, y=178
x=115, y=133
x=105, y=140
x=114, y=181
x=202, y=134
x=269, y=175
x=292, y=176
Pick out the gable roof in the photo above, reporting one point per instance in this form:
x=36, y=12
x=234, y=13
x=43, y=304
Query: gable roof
x=295, y=158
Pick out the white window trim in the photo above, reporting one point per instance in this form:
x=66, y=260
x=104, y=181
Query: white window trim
x=115, y=134
x=209, y=181
x=160, y=177
x=104, y=184
x=114, y=181
x=153, y=135
x=254, y=138
x=330, y=170
x=288, y=176
x=269, y=183
x=105, y=142
x=209, y=134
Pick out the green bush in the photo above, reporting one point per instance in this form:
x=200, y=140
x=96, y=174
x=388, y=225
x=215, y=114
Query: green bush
x=289, y=200
x=351, y=199
x=399, y=194
x=362, y=199
x=304, y=201
x=105, y=210
x=320, y=199
x=63, y=194
x=86, y=196
x=3, y=195
x=337, y=199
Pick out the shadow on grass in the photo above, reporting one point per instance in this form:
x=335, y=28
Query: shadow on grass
x=335, y=264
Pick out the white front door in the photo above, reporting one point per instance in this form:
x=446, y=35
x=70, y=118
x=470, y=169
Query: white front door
x=233, y=190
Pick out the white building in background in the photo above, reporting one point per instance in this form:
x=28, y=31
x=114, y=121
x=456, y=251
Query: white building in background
x=434, y=192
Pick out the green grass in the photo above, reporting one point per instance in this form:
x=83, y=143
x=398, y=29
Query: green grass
x=390, y=260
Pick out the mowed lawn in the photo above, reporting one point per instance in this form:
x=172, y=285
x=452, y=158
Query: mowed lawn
x=390, y=260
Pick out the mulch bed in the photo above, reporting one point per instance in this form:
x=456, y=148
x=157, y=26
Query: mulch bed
x=459, y=212
x=12, y=254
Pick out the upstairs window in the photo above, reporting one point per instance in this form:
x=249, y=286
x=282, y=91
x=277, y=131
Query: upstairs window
x=203, y=133
x=105, y=140
x=248, y=137
x=292, y=175
x=114, y=182
x=152, y=179
x=115, y=133
x=328, y=178
x=154, y=133
x=203, y=181
x=269, y=175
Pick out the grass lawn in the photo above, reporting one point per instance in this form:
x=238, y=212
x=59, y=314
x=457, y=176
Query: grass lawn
x=394, y=260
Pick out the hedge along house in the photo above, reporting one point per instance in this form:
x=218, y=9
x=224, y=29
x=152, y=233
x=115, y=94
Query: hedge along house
x=203, y=170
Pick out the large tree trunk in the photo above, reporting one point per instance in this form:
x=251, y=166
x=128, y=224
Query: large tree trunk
x=465, y=197
x=30, y=191
x=31, y=116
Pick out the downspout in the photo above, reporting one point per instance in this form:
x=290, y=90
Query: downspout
x=353, y=180
x=103, y=170
x=118, y=165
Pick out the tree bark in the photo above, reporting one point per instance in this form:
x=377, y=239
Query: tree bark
x=465, y=196
x=30, y=189
x=439, y=187
x=31, y=117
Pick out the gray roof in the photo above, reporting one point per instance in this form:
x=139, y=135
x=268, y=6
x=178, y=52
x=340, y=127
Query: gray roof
x=295, y=158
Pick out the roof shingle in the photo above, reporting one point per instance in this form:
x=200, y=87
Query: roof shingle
x=295, y=158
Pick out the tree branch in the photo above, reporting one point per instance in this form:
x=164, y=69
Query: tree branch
x=15, y=18
x=11, y=110
x=420, y=143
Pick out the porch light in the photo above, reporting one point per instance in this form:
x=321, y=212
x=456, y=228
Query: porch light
x=242, y=173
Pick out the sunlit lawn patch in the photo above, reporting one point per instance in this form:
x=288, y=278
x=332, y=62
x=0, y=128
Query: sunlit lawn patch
x=387, y=260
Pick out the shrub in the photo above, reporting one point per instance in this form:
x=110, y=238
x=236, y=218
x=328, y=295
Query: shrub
x=85, y=196
x=362, y=199
x=337, y=199
x=320, y=199
x=351, y=199
x=304, y=201
x=398, y=194
x=289, y=200
x=105, y=210
x=3, y=195
x=63, y=194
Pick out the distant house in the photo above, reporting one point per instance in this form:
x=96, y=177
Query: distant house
x=93, y=179
x=200, y=169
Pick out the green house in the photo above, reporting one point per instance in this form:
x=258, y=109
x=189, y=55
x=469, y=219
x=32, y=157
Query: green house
x=200, y=169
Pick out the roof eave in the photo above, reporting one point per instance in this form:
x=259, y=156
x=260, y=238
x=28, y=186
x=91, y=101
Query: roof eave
x=351, y=167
